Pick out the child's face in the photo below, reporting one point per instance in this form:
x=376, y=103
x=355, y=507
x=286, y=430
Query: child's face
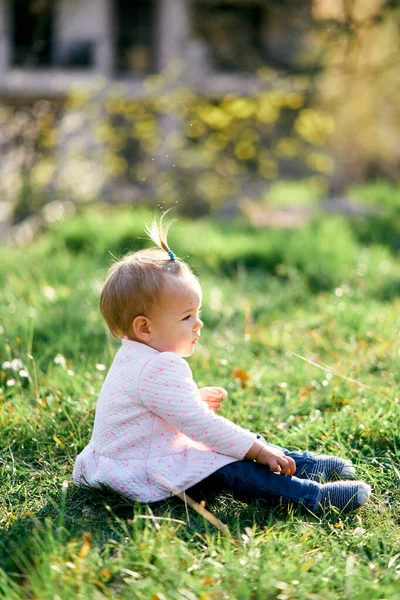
x=175, y=325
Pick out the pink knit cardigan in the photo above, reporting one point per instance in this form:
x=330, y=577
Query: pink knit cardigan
x=153, y=435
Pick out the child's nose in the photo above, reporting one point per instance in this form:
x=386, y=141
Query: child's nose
x=198, y=324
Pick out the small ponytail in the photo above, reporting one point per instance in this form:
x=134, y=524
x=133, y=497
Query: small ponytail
x=158, y=232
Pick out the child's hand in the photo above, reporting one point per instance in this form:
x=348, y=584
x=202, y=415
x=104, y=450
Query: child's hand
x=213, y=396
x=274, y=459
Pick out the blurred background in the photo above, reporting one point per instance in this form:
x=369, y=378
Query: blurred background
x=264, y=109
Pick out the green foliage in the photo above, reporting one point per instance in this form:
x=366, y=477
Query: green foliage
x=323, y=252
x=380, y=195
x=383, y=225
x=93, y=233
x=269, y=298
x=305, y=193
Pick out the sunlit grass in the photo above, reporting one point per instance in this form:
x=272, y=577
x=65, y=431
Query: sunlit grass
x=302, y=328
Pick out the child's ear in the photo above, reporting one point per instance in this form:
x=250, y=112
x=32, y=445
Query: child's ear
x=141, y=329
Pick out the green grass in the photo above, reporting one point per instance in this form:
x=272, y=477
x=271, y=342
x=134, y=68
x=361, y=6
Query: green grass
x=320, y=293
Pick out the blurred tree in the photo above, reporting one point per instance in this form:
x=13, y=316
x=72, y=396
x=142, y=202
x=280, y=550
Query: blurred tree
x=359, y=85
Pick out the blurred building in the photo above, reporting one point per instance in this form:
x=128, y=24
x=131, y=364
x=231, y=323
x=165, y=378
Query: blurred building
x=48, y=46
x=101, y=49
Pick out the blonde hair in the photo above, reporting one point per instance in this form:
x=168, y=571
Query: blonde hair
x=135, y=284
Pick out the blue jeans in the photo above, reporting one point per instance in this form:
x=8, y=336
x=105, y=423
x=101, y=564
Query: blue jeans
x=249, y=481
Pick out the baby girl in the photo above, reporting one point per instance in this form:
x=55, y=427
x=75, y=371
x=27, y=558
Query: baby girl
x=157, y=434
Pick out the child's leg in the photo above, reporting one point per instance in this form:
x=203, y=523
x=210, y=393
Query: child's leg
x=249, y=481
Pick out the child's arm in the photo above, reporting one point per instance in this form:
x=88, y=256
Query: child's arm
x=167, y=389
x=275, y=460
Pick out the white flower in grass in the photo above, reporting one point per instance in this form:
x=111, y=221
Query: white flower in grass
x=60, y=360
x=10, y=382
x=100, y=367
x=17, y=364
x=24, y=373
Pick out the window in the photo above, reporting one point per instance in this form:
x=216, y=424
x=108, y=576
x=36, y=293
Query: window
x=135, y=36
x=241, y=36
x=76, y=54
x=32, y=32
x=233, y=34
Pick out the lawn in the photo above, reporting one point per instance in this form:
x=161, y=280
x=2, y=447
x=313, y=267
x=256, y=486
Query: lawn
x=302, y=329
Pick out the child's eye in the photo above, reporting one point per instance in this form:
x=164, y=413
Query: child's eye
x=186, y=318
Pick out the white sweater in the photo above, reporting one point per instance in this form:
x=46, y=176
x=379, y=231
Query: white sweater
x=153, y=435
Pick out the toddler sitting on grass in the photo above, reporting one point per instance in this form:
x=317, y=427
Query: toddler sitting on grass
x=157, y=434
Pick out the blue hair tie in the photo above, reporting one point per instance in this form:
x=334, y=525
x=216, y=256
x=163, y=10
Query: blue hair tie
x=171, y=255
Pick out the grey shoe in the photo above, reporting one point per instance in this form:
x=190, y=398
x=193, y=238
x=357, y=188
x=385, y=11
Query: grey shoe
x=343, y=495
x=329, y=468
